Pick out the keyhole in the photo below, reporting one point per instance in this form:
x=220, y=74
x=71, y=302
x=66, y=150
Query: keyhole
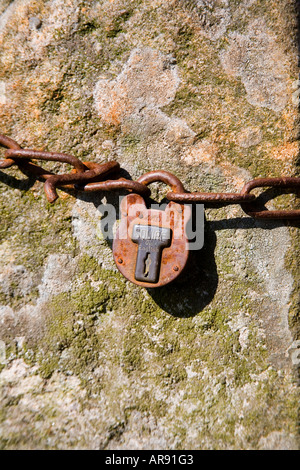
x=147, y=264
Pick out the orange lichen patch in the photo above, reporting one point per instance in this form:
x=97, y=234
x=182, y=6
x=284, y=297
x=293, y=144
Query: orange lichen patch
x=203, y=152
x=113, y=114
x=287, y=152
x=36, y=113
x=290, y=117
x=113, y=103
x=148, y=81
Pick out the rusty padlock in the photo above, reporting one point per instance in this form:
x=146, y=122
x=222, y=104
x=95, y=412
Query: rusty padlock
x=150, y=247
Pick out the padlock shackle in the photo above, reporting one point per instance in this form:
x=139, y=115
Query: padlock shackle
x=164, y=177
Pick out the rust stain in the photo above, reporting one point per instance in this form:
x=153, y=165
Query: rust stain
x=287, y=152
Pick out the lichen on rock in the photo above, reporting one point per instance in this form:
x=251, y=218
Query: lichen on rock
x=261, y=65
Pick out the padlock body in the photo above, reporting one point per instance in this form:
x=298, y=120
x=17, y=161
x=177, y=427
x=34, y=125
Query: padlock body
x=150, y=247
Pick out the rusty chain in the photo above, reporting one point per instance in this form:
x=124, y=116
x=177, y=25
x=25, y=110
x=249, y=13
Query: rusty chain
x=91, y=176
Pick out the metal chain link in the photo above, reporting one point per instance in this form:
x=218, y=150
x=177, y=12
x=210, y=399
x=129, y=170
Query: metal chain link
x=91, y=176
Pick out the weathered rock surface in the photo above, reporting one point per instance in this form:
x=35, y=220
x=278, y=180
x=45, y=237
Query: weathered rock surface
x=207, y=90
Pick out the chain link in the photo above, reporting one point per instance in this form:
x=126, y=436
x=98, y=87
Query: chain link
x=91, y=176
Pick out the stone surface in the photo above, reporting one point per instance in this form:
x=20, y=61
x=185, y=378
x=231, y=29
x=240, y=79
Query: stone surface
x=261, y=65
x=209, y=91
